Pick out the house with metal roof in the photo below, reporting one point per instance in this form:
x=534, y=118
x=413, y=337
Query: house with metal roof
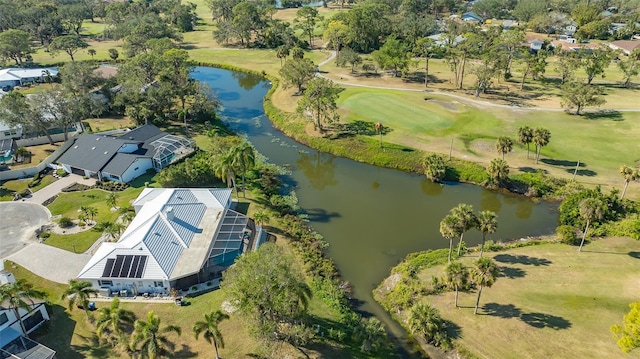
x=12, y=77
x=125, y=157
x=178, y=238
x=14, y=342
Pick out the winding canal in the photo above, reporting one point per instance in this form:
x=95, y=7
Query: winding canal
x=372, y=217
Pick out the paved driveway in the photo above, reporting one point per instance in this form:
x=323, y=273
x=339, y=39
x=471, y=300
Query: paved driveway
x=55, y=188
x=18, y=223
x=51, y=263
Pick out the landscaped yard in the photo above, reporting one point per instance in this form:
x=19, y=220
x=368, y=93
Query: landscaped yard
x=549, y=302
x=70, y=334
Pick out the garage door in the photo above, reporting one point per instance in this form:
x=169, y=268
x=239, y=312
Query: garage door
x=77, y=171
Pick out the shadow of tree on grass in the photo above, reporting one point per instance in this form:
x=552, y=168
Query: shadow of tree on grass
x=501, y=310
x=522, y=259
x=511, y=272
x=542, y=320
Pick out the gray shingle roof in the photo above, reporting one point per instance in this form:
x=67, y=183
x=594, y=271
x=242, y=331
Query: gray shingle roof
x=119, y=163
x=91, y=152
x=145, y=133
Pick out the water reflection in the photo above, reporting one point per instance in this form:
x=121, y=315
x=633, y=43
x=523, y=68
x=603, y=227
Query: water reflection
x=246, y=81
x=430, y=188
x=524, y=209
x=489, y=201
x=318, y=168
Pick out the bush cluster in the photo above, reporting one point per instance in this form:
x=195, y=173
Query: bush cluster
x=65, y=222
x=111, y=186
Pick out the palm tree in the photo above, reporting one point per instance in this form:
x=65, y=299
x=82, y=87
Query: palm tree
x=504, y=145
x=244, y=157
x=89, y=211
x=224, y=170
x=112, y=200
x=629, y=174
x=379, y=127
x=261, y=217
x=79, y=293
x=525, y=137
x=209, y=329
x=463, y=213
x=590, y=209
x=434, y=167
x=541, y=137
x=487, y=224
x=498, y=171
x=450, y=229
x=113, y=320
x=372, y=333
x=484, y=275
x=457, y=276
x=20, y=295
x=425, y=320
x=151, y=337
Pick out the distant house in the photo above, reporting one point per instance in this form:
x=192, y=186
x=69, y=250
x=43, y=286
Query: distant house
x=626, y=46
x=472, y=16
x=536, y=45
x=440, y=40
x=509, y=24
x=14, y=342
x=126, y=157
x=178, y=238
x=12, y=77
x=570, y=29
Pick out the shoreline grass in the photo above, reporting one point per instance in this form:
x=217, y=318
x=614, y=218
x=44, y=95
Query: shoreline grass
x=548, y=302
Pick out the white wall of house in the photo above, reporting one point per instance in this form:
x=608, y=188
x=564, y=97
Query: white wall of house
x=8, y=131
x=137, y=169
x=135, y=286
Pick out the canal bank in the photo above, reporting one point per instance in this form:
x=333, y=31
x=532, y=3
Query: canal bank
x=372, y=217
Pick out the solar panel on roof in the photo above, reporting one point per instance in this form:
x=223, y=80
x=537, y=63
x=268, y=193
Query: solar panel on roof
x=134, y=267
x=143, y=260
x=117, y=267
x=124, y=272
x=107, y=268
x=125, y=266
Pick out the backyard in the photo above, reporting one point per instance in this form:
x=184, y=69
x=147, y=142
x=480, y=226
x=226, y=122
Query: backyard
x=549, y=294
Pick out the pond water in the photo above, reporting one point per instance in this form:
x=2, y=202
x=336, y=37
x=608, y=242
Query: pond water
x=372, y=217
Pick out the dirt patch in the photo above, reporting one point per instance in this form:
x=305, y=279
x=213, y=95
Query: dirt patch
x=447, y=105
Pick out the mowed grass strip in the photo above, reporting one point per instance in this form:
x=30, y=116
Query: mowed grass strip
x=550, y=302
x=429, y=122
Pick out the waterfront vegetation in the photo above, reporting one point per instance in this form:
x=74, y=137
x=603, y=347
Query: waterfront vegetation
x=527, y=298
x=547, y=292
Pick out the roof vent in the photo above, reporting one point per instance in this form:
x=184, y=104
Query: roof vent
x=170, y=214
x=106, y=152
x=97, y=138
x=76, y=146
x=93, y=148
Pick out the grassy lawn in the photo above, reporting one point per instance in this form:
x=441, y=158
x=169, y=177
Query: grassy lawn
x=70, y=334
x=550, y=302
x=431, y=124
x=22, y=184
x=76, y=242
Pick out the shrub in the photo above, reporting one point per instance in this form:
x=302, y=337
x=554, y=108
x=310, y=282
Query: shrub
x=567, y=235
x=195, y=287
x=61, y=172
x=82, y=223
x=65, y=222
x=45, y=235
x=209, y=284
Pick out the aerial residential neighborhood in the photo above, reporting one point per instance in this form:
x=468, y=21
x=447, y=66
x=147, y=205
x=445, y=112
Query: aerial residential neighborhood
x=332, y=179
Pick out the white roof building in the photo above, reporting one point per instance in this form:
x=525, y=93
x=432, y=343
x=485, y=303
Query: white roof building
x=179, y=237
x=11, y=77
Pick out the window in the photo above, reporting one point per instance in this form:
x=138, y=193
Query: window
x=3, y=318
x=33, y=320
x=105, y=283
x=7, y=133
x=158, y=284
x=135, y=169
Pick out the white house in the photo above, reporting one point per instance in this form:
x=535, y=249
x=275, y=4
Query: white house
x=126, y=157
x=14, y=342
x=11, y=77
x=178, y=238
